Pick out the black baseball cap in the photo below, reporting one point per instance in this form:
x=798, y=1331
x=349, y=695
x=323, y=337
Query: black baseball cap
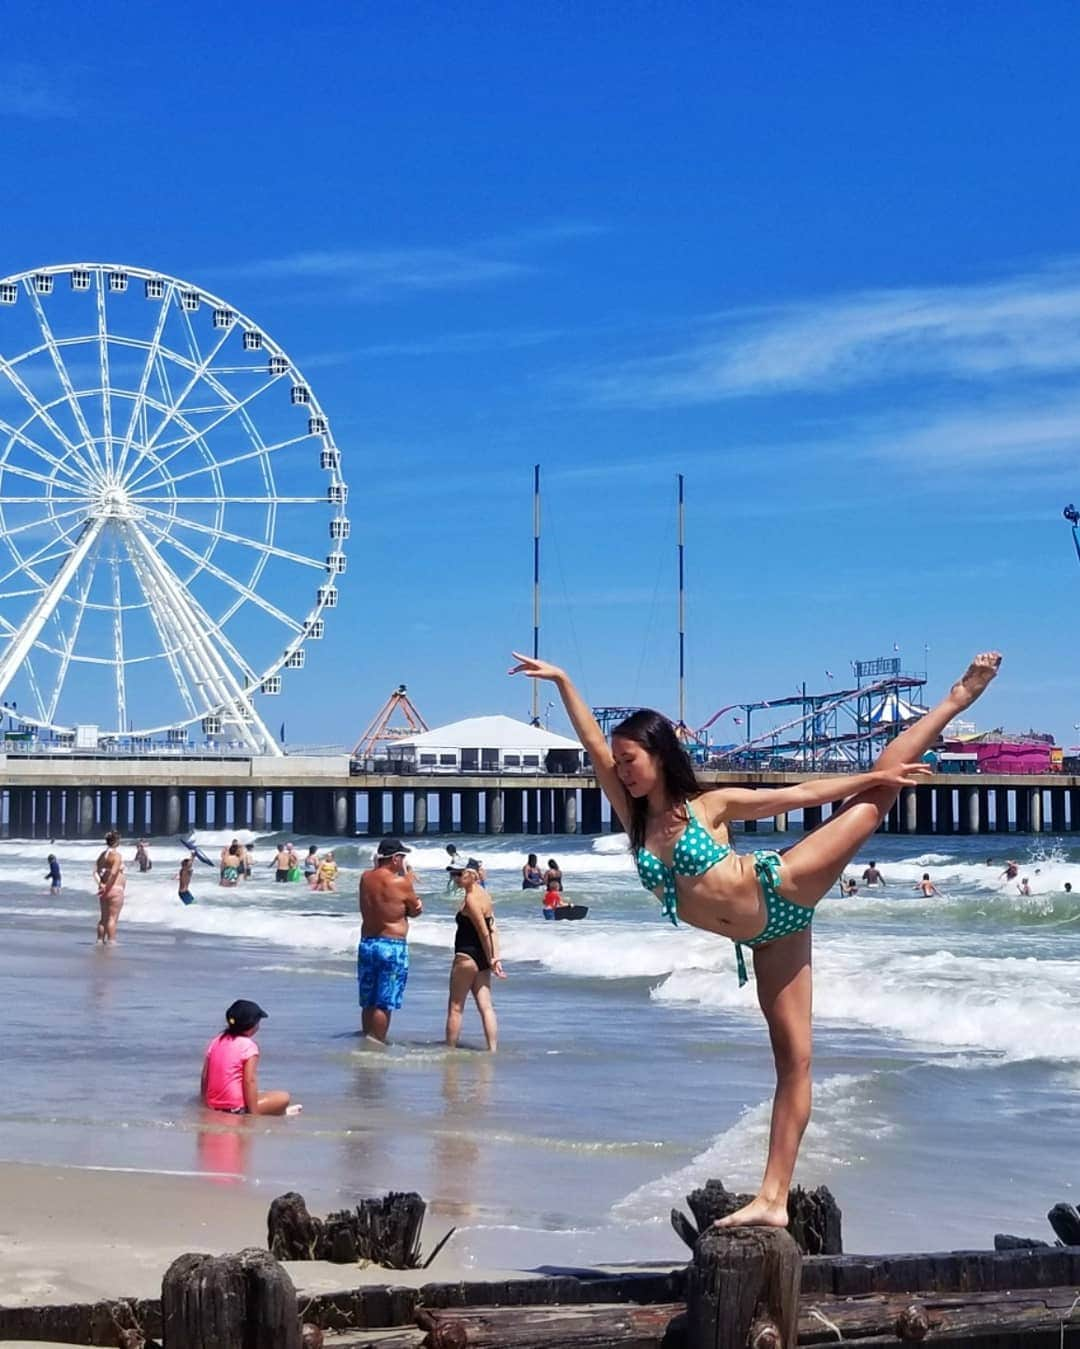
x=471, y=865
x=391, y=847
x=244, y=1013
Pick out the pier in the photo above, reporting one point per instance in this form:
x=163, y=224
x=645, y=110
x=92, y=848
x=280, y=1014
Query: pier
x=46, y=797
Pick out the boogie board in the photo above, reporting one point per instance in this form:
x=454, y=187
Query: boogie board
x=568, y=912
x=196, y=851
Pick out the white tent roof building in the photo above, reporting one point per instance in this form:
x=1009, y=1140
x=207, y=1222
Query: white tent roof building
x=491, y=744
x=893, y=710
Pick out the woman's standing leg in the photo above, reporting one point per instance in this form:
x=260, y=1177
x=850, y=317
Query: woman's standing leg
x=462, y=973
x=116, y=903
x=812, y=866
x=102, y=927
x=481, y=990
x=785, y=994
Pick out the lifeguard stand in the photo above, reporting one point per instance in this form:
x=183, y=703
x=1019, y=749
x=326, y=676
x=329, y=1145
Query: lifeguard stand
x=379, y=728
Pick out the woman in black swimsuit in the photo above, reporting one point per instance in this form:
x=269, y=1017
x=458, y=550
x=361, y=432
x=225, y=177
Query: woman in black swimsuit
x=531, y=877
x=476, y=955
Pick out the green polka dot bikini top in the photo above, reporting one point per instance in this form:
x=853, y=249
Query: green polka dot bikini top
x=694, y=853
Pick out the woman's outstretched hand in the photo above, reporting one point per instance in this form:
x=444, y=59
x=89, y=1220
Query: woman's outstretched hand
x=903, y=775
x=535, y=669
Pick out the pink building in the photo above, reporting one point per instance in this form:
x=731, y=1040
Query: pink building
x=999, y=752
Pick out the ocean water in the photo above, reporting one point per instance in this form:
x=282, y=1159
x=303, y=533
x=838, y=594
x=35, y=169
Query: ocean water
x=631, y=1065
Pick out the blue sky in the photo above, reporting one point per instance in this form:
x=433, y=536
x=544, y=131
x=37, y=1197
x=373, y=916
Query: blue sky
x=821, y=259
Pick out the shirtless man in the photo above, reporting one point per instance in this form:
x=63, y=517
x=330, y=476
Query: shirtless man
x=927, y=888
x=388, y=899
x=281, y=862
x=872, y=876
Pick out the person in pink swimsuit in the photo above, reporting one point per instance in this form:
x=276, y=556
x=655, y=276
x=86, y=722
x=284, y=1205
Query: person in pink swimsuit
x=230, y=1077
x=109, y=874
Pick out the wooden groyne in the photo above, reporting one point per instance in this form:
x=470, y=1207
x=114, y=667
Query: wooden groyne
x=1027, y=1299
x=747, y=1288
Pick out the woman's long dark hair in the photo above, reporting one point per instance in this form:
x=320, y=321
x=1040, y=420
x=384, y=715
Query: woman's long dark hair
x=655, y=734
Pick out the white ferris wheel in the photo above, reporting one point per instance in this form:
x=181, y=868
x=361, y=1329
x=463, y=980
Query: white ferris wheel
x=172, y=510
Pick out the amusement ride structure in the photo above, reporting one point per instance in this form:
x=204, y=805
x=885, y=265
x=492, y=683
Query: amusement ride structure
x=836, y=728
x=171, y=507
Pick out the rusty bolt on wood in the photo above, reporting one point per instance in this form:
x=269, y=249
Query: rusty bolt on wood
x=913, y=1323
x=765, y=1334
x=442, y=1334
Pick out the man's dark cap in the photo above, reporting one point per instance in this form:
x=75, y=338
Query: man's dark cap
x=244, y=1013
x=391, y=847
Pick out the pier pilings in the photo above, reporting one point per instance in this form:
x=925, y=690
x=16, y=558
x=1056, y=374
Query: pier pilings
x=46, y=799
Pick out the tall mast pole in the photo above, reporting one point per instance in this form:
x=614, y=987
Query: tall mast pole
x=536, y=591
x=682, y=604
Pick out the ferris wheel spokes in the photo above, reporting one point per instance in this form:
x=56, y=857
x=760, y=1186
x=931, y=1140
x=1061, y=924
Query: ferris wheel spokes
x=17, y=433
x=69, y=646
x=65, y=384
x=118, y=643
x=228, y=697
x=172, y=648
x=24, y=638
x=178, y=446
x=138, y=403
x=319, y=564
x=244, y=591
x=198, y=374
x=106, y=384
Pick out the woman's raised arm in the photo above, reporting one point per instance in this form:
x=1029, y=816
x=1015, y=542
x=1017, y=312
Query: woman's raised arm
x=589, y=732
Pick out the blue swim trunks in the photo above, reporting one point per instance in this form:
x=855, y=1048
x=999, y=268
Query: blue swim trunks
x=382, y=968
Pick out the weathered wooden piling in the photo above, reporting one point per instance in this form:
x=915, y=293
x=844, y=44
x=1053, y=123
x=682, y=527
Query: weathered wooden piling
x=743, y=1289
x=242, y=1301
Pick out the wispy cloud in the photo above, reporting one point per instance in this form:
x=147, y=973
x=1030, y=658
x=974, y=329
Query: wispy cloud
x=441, y=344
x=1025, y=434
x=375, y=271
x=372, y=273
x=28, y=91
x=1023, y=325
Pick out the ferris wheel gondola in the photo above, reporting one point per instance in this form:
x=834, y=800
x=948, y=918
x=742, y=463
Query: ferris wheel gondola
x=172, y=509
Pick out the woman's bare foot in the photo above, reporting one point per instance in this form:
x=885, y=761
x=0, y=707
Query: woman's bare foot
x=758, y=1213
x=976, y=678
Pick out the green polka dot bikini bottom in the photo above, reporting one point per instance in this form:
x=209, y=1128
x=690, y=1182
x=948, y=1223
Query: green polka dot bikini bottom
x=782, y=916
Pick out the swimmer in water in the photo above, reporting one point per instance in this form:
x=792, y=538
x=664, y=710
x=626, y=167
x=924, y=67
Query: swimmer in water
x=926, y=887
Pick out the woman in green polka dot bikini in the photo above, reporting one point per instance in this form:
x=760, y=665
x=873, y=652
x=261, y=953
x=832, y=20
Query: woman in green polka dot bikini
x=679, y=831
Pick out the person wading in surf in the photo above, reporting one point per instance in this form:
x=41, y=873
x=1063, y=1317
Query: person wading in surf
x=680, y=832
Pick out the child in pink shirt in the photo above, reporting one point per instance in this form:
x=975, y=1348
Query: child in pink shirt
x=230, y=1070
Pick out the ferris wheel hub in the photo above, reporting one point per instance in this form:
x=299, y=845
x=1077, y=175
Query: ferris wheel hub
x=114, y=500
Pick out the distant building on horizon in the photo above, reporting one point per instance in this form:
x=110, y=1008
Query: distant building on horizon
x=495, y=744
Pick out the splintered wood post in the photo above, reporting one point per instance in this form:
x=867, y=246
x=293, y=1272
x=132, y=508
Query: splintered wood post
x=292, y=1233
x=743, y=1289
x=242, y=1301
x=388, y=1229
x=814, y=1221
